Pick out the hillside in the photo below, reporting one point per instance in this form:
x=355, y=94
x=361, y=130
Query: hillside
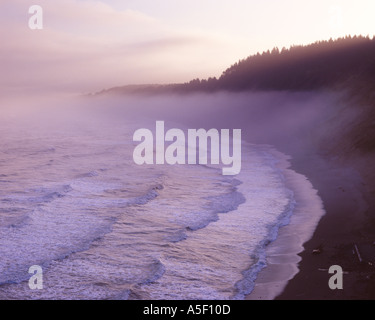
x=345, y=62
x=319, y=65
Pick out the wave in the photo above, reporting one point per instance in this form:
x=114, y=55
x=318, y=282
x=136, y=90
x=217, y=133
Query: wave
x=222, y=204
x=88, y=175
x=154, y=271
x=150, y=195
x=44, y=150
x=58, y=226
x=38, y=195
x=246, y=285
x=177, y=236
x=50, y=194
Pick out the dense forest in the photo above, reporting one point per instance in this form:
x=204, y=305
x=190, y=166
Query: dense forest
x=346, y=64
x=319, y=65
x=348, y=61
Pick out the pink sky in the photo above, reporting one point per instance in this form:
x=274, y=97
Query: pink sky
x=88, y=45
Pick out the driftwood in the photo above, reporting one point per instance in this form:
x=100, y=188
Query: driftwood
x=358, y=254
x=318, y=250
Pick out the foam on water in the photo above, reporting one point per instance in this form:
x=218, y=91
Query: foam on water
x=105, y=228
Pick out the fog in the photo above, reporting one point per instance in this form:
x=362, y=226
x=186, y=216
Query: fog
x=292, y=122
x=289, y=121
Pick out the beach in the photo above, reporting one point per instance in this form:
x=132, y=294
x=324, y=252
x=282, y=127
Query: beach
x=344, y=179
x=346, y=196
x=128, y=231
x=289, y=171
x=283, y=254
x=344, y=225
x=322, y=148
x=198, y=150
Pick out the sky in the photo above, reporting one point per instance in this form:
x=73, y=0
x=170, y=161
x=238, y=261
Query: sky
x=89, y=45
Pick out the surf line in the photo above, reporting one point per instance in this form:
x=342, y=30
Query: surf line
x=175, y=152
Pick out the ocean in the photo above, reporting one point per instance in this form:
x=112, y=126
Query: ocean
x=73, y=201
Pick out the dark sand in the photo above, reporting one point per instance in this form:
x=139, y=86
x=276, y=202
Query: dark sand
x=346, y=223
x=282, y=254
x=333, y=148
x=341, y=168
x=348, y=203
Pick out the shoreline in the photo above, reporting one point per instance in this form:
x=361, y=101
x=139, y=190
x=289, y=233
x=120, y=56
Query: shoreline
x=322, y=140
x=345, y=197
x=347, y=200
x=283, y=254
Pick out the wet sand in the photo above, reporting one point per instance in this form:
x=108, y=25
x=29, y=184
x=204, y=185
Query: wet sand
x=347, y=200
x=334, y=154
x=346, y=224
x=282, y=254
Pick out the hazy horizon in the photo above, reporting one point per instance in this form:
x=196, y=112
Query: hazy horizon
x=90, y=45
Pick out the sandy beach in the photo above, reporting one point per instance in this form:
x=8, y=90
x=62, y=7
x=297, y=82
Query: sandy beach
x=344, y=236
x=283, y=254
x=322, y=149
x=346, y=224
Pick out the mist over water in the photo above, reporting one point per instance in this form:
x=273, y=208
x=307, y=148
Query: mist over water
x=73, y=201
